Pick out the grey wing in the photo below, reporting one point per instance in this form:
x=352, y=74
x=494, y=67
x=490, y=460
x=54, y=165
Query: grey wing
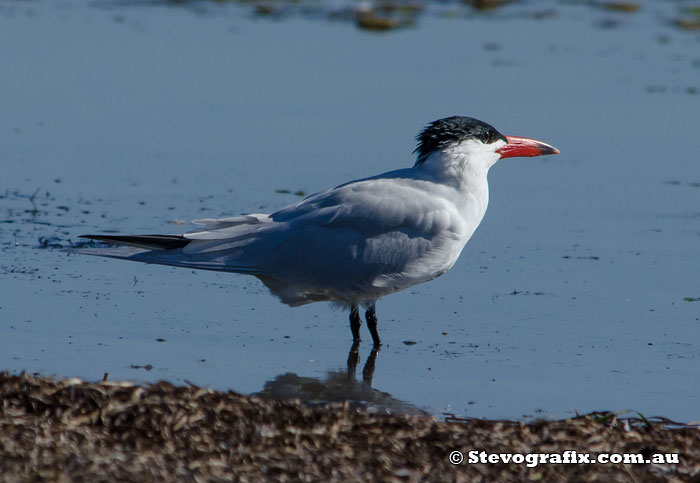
x=356, y=235
x=362, y=234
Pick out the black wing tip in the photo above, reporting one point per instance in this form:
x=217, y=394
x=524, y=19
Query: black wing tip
x=162, y=242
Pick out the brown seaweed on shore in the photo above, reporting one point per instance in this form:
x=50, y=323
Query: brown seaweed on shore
x=71, y=430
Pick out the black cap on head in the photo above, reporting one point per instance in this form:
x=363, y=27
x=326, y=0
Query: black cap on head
x=449, y=131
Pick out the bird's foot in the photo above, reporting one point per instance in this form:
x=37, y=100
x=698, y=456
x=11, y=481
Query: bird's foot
x=372, y=321
x=355, y=323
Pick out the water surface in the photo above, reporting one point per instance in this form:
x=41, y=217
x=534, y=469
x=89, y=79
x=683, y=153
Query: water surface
x=577, y=292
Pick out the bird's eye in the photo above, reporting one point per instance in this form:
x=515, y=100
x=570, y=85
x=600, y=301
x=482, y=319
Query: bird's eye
x=487, y=137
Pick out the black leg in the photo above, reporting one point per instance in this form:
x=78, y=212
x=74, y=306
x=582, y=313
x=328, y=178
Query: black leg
x=371, y=316
x=355, y=323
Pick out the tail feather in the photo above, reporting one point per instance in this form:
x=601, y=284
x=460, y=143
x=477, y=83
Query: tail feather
x=161, y=250
x=150, y=242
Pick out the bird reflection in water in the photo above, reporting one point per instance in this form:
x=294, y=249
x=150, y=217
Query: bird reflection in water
x=354, y=360
x=339, y=386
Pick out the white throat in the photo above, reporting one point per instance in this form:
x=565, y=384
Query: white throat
x=463, y=164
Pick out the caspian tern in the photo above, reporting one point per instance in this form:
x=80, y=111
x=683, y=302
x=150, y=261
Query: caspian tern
x=357, y=242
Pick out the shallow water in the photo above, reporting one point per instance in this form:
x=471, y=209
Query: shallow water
x=575, y=294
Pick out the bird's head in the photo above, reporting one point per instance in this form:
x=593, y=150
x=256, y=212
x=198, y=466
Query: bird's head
x=465, y=140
